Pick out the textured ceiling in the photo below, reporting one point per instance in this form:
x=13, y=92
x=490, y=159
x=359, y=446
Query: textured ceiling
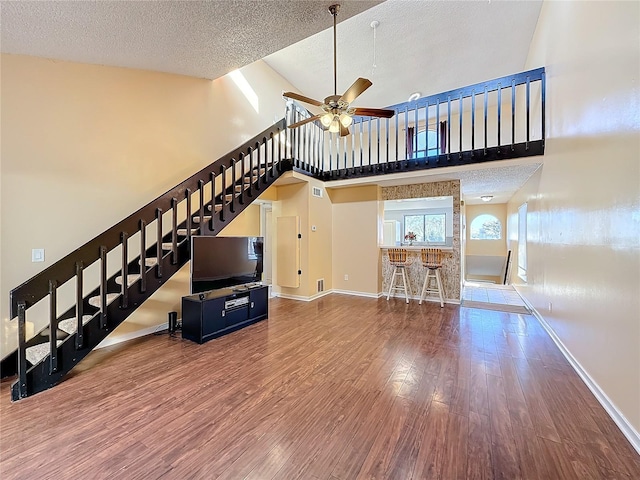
x=500, y=179
x=205, y=39
x=424, y=46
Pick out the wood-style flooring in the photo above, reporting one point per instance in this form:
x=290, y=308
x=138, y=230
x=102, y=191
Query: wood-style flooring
x=339, y=388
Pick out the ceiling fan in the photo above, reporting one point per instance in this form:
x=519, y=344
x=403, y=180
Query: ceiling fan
x=338, y=112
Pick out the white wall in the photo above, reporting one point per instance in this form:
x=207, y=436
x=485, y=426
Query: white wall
x=583, y=239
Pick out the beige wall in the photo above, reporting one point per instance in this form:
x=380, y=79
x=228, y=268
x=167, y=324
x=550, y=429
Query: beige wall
x=245, y=224
x=356, y=235
x=583, y=240
x=486, y=247
x=83, y=146
x=320, y=235
x=293, y=201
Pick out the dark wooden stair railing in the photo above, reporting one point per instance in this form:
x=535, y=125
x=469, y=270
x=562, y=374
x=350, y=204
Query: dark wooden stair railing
x=252, y=167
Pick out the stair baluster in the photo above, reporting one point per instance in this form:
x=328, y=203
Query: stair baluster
x=103, y=296
x=159, y=241
x=124, y=290
x=187, y=194
x=143, y=256
x=212, y=177
x=174, y=231
x=53, y=326
x=79, y=304
x=22, y=350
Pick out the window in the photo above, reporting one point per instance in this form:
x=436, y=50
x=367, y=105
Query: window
x=486, y=227
x=428, y=228
x=430, y=139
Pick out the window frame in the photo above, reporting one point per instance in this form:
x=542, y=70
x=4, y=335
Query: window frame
x=424, y=215
x=471, y=237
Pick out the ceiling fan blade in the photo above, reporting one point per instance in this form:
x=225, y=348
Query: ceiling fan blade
x=344, y=131
x=355, y=90
x=302, y=98
x=306, y=120
x=374, y=112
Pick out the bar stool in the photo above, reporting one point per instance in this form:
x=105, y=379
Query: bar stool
x=398, y=258
x=432, y=261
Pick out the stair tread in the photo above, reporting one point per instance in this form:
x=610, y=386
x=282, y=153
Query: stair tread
x=37, y=353
x=197, y=218
x=150, y=261
x=183, y=231
x=218, y=207
x=70, y=325
x=131, y=279
x=96, y=301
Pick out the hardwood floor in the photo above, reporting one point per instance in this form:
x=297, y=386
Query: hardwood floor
x=340, y=388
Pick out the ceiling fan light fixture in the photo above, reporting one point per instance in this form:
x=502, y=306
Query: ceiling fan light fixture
x=335, y=125
x=326, y=119
x=346, y=120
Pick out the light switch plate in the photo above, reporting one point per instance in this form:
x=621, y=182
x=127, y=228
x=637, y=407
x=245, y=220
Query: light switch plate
x=37, y=255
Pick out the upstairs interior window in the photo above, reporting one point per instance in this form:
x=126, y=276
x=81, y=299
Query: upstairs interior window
x=423, y=140
x=486, y=227
x=429, y=228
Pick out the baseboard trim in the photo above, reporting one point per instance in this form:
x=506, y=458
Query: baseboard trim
x=302, y=298
x=616, y=415
x=113, y=340
x=357, y=294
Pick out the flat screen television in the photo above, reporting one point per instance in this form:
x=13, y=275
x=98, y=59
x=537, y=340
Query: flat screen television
x=222, y=262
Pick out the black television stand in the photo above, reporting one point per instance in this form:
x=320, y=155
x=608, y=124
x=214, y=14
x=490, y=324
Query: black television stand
x=211, y=314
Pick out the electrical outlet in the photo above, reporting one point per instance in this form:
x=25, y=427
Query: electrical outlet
x=37, y=255
x=550, y=307
x=346, y=277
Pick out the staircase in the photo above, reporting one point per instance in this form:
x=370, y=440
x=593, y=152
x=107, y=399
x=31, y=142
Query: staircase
x=201, y=205
x=495, y=120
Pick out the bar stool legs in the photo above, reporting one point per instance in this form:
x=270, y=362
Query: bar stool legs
x=432, y=261
x=399, y=271
x=398, y=258
x=432, y=274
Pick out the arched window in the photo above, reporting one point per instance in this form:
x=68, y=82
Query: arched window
x=486, y=227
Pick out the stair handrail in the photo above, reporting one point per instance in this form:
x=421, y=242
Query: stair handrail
x=37, y=287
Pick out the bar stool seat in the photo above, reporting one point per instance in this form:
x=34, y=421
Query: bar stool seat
x=432, y=261
x=399, y=260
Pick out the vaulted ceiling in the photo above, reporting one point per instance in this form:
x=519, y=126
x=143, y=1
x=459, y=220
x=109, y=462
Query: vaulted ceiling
x=420, y=46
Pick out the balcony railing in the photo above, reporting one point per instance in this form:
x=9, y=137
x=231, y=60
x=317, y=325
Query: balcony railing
x=499, y=119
